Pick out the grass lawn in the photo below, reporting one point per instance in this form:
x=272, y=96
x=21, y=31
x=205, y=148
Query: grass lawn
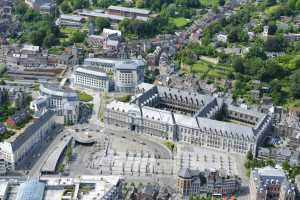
x=170, y=145
x=56, y=50
x=204, y=69
x=125, y=98
x=273, y=9
x=209, y=2
x=85, y=97
x=180, y=22
x=200, y=67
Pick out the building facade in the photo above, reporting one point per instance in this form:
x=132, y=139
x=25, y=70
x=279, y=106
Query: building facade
x=269, y=183
x=184, y=116
x=107, y=74
x=19, y=146
x=195, y=182
x=91, y=78
x=65, y=102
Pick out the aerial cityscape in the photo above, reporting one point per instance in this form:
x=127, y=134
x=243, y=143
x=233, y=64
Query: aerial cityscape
x=149, y=99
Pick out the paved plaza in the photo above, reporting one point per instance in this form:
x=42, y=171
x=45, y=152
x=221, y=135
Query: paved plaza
x=128, y=157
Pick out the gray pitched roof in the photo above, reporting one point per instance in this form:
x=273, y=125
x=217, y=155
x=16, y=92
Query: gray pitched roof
x=185, y=173
x=29, y=131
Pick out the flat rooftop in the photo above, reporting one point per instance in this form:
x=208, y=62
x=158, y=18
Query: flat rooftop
x=131, y=10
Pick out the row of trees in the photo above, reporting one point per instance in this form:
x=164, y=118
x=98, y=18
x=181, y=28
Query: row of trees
x=67, y=6
x=144, y=29
x=37, y=29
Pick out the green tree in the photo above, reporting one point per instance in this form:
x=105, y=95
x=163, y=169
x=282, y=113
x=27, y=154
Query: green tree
x=222, y=2
x=249, y=155
x=77, y=37
x=69, y=153
x=272, y=28
x=61, y=168
x=79, y=4
x=139, y=3
x=101, y=23
x=295, y=85
x=65, y=7
x=238, y=64
x=285, y=165
x=104, y=3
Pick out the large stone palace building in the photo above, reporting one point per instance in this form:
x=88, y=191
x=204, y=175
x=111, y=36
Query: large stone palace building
x=188, y=117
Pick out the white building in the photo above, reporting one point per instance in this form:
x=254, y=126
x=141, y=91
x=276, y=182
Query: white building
x=91, y=78
x=126, y=74
x=65, y=102
x=222, y=37
x=292, y=36
x=188, y=117
x=102, y=187
x=73, y=21
x=18, y=147
x=3, y=190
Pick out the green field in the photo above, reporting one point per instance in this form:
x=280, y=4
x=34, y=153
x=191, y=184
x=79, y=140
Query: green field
x=205, y=69
x=200, y=68
x=209, y=2
x=180, y=22
x=85, y=97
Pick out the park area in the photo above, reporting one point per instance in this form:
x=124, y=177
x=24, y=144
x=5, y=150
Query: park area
x=207, y=70
x=180, y=22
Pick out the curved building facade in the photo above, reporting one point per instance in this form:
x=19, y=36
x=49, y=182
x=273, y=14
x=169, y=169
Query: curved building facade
x=64, y=102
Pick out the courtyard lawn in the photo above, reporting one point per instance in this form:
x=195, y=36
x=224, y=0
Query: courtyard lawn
x=180, y=22
x=125, y=98
x=85, y=97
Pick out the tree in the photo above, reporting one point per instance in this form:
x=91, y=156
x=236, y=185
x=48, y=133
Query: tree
x=104, y=3
x=69, y=153
x=139, y=3
x=222, y=2
x=285, y=165
x=272, y=28
x=79, y=4
x=249, y=155
x=269, y=3
x=65, y=7
x=256, y=52
x=272, y=70
x=61, y=168
x=238, y=64
x=277, y=93
x=77, y=37
x=50, y=40
x=275, y=44
x=295, y=85
x=101, y=23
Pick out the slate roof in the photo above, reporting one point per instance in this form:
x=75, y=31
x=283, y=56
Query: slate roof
x=16, y=142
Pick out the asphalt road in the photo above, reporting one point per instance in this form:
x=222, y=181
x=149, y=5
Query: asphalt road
x=35, y=170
